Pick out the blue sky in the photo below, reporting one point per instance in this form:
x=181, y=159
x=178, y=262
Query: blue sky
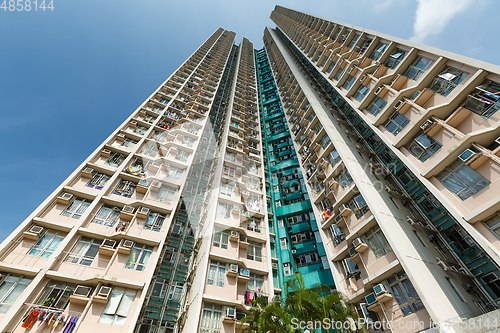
x=69, y=77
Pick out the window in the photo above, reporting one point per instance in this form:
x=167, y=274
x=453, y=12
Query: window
x=396, y=123
x=107, y=215
x=404, y=293
x=339, y=73
x=377, y=53
x=160, y=136
x=462, y=180
x=174, y=173
x=254, y=251
x=358, y=206
x=307, y=259
x=56, y=295
x=216, y=274
x=226, y=189
x=417, y=68
x=377, y=242
x=211, y=318
x=353, y=41
x=376, y=105
x=330, y=68
x=176, y=290
x=130, y=143
x=287, y=271
x=125, y=188
x=349, y=82
x=150, y=150
x=159, y=288
x=256, y=282
x=395, y=58
x=139, y=256
x=221, y=239
x=182, y=156
x=224, y=210
x=361, y=93
x=423, y=147
x=166, y=193
x=230, y=172
x=283, y=243
x=115, y=159
x=76, y=208
x=325, y=140
x=188, y=141
x=140, y=129
x=494, y=225
x=492, y=282
x=344, y=178
x=98, y=180
x=10, y=290
x=84, y=252
x=447, y=80
x=333, y=158
x=154, y=221
x=47, y=244
x=118, y=306
x=253, y=224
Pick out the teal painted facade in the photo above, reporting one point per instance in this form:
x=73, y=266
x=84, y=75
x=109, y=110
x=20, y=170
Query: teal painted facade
x=295, y=242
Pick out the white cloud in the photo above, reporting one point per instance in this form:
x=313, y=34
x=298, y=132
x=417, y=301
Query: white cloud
x=383, y=5
x=432, y=16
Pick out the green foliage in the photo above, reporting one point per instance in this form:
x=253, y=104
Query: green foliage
x=300, y=304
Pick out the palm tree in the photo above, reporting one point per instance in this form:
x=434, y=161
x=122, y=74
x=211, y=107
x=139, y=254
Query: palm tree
x=300, y=305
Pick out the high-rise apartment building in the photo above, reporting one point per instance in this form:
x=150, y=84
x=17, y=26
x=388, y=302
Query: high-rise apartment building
x=363, y=161
x=400, y=143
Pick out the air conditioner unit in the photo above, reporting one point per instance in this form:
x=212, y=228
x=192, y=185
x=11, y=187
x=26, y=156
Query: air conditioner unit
x=87, y=172
x=156, y=184
x=231, y=313
x=244, y=272
x=128, y=244
x=362, y=78
x=235, y=235
x=128, y=209
x=427, y=125
x=275, y=265
x=143, y=212
x=344, y=210
x=338, y=219
x=398, y=104
x=104, y=292
x=352, y=252
x=359, y=245
x=294, y=251
x=82, y=291
x=108, y=243
x=34, y=233
x=233, y=268
x=105, y=153
x=379, y=289
x=370, y=299
x=467, y=155
x=133, y=123
x=120, y=137
x=65, y=198
x=379, y=89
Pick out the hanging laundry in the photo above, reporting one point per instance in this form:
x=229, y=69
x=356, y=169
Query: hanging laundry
x=30, y=319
